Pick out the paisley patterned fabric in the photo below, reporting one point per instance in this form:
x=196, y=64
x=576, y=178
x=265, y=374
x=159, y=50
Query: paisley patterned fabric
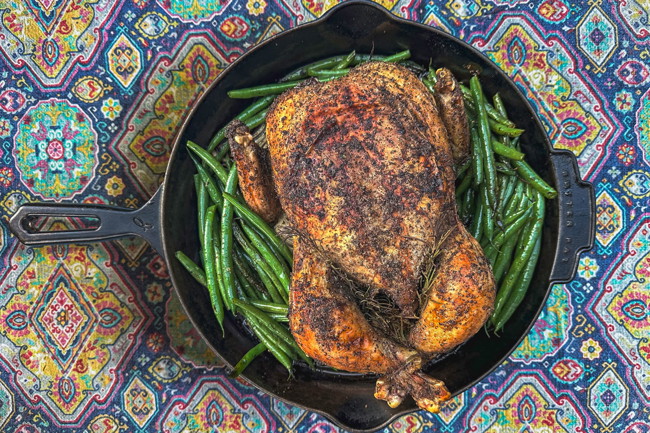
x=92, y=336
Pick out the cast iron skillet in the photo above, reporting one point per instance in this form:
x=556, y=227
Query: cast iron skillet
x=168, y=220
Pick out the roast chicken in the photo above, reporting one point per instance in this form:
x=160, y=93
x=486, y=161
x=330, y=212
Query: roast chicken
x=363, y=168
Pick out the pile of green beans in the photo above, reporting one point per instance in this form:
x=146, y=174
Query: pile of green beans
x=246, y=267
x=502, y=200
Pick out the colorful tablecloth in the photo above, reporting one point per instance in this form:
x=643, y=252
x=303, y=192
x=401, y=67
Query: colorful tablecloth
x=92, y=336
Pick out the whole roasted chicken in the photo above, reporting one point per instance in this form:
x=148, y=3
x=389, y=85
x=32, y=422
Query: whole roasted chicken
x=363, y=168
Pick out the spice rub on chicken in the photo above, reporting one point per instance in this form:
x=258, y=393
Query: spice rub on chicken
x=363, y=168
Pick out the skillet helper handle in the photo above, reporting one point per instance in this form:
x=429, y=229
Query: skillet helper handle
x=576, y=216
x=113, y=222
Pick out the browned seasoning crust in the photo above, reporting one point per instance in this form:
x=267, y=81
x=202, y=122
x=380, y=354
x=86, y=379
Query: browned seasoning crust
x=254, y=172
x=452, y=110
x=356, y=173
x=460, y=297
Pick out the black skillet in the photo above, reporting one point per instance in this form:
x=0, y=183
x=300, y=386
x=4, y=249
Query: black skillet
x=168, y=220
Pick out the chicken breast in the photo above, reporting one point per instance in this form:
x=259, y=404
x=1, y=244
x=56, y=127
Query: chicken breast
x=356, y=173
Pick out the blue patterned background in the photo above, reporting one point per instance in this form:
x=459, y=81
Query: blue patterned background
x=92, y=336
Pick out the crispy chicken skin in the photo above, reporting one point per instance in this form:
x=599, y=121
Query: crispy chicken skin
x=363, y=168
x=459, y=299
x=452, y=110
x=327, y=323
x=356, y=173
x=253, y=171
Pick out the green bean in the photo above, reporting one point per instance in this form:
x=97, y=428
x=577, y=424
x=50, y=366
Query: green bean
x=245, y=361
x=519, y=293
x=255, y=121
x=328, y=73
x=249, y=111
x=192, y=268
x=464, y=185
x=278, y=330
x=218, y=264
x=501, y=109
x=506, y=189
x=528, y=228
x=517, y=197
x=491, y=111
x=209, y=264
x=276, y=265
x=209, y=184
x=255, y=220
x=241, y=265
x=266, y=274
x=485, y=138
x=343, y=64
x=289, y=347
x=398, y=57
x=488, y=214
x=276, y=251
x=529, y=175
x=506, y=151
x=505, y=169
x=504, y=258
x=239, y=292
x=226, y=240
x=201, y=202
x=527, y=244
x=280, y=280
x=476, y=228
x=209, y=160
x=280, y=318
x=520, y=213
x=498, y=118
x=363, y=58
x=272, y=344
x=477, y=157
x=271, y=307
x=301, y=72
x=263, y=90
x=463, y=168
x=267, y=286
x=467, y=205
x=431, y=75
x=469, y=104
x=246, y=287
x=501, y=129
x=517, y=202
x=512, y=226
x=429, y=85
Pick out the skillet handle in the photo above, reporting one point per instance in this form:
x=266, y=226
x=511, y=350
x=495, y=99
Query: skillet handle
x=113, y=222
x=576, y=216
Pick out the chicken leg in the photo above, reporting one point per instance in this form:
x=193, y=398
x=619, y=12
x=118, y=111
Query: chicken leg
x=329, y=326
